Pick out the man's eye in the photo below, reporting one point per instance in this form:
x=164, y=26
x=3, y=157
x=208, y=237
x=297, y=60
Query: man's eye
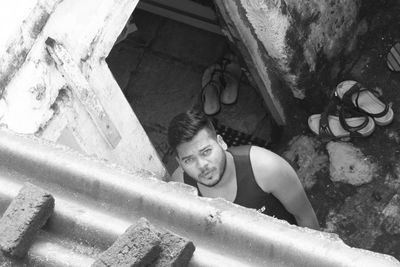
x=207, y=152
x=187, y=161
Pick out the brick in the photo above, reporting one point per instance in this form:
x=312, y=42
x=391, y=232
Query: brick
x=138, y=246
x=176, y=251
x=26, y=214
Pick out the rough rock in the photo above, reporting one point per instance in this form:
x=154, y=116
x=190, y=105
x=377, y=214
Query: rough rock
x=304, y=155
x=391, y=213
x=393, y=181
x=349, y=165
x=26, y=214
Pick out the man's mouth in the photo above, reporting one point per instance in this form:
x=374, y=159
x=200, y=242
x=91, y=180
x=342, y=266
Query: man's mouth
x=206, y=174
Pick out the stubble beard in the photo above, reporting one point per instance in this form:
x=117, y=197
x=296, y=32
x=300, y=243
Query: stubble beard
x=220, y=175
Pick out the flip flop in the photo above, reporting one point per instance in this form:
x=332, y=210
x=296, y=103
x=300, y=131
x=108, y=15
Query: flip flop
x=393, y=58
x=365, y=100
x=332, y=126
x=211, y=89
x=231, y=74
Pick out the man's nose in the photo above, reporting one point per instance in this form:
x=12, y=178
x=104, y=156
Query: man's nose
x=202, y=163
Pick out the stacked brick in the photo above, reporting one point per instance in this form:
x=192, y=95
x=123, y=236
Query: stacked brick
x=175, y=250
x=138, y=246
x=144, y=245
x=141, y=244
x=27, y=213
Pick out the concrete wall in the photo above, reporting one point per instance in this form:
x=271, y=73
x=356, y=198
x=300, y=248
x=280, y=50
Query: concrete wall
x=37, y=98
x=298, y=42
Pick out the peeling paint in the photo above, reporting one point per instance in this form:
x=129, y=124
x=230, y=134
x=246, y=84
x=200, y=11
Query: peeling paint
x=212, y=220
x=20, y=45
x=39, y=24
x=11, y=68
x=39, y=91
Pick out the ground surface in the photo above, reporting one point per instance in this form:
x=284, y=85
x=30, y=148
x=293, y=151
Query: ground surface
x=365, y=215
x=159, y=68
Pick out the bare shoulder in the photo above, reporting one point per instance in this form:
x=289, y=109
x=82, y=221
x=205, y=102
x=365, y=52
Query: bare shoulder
x=269, y=167
x=265, y=159
x=177, y=175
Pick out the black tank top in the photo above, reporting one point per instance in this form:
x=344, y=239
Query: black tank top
x=249, y=194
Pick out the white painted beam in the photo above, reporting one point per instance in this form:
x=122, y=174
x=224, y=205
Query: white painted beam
x=40, y=101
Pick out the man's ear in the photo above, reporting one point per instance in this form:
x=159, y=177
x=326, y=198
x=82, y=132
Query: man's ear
x=221, y=142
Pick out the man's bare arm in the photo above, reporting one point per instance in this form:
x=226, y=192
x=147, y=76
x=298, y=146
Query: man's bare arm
x=274, y=175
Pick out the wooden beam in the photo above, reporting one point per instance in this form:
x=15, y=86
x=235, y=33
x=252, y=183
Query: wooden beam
x=81, y=88
x=42, y=101
x=187, y=12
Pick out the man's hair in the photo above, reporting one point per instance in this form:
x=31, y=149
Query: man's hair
x=184, y=126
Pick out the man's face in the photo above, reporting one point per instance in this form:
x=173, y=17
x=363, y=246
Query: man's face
x=203, y=158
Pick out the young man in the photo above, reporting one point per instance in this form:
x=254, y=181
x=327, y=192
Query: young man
x=250, y=176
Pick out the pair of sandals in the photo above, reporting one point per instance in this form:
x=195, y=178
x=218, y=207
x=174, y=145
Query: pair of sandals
x=220, y=84
x=353, y=112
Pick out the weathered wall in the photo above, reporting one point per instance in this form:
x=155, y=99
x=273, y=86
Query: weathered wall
x=36, y=98
x=295, y=41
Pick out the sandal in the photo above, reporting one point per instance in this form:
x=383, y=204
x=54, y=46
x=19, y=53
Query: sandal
x=211, y=89
x=393, y=58
x=231, y=75
x=347, y=124
x=365, y=100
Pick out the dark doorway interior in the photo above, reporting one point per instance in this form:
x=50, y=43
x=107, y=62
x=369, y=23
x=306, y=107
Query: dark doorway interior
x=159, y=68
